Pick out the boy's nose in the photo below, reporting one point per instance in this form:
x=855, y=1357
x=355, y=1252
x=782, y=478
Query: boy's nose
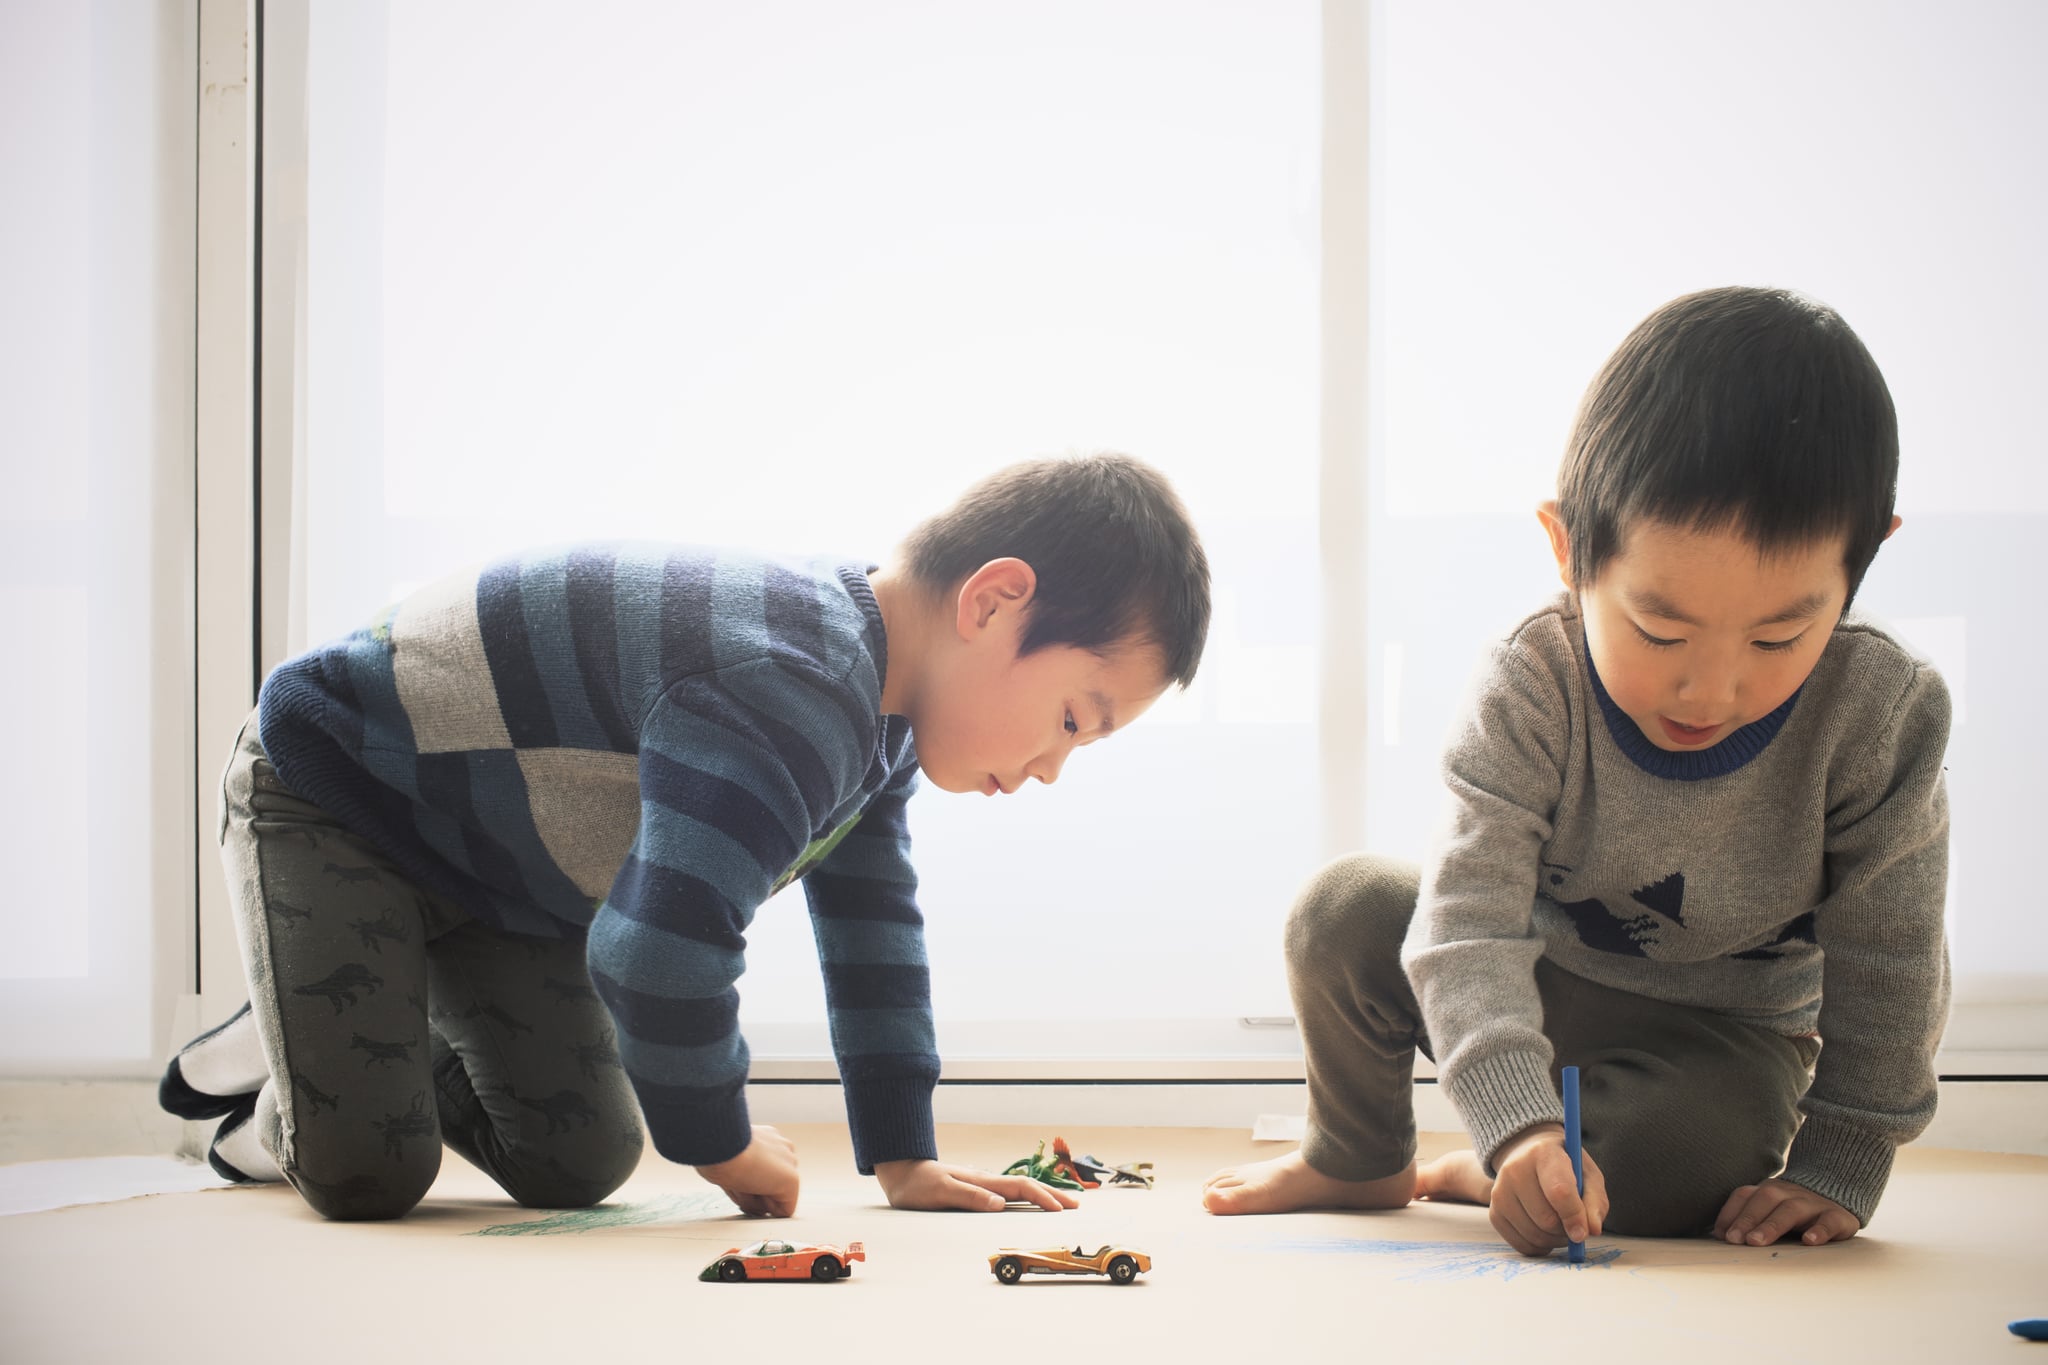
x=1046, y=767
x=1711, y=684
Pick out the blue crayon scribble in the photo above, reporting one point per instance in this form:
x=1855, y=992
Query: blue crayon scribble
x=667, y=1208
x=1438, y=1261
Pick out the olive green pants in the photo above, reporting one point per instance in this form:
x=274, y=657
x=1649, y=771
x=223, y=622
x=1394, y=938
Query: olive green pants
x=392, y=1022
x=1679, y=1106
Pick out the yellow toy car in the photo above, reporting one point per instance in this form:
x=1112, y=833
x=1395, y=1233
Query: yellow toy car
x=1121, y=1264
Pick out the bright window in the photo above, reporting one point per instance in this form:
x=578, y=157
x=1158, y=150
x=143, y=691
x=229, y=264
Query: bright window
x=792, y=276
x=1545, y=176
x=96, y=155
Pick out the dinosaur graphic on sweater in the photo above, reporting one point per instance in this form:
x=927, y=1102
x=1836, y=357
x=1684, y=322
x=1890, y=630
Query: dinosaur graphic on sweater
x=1604, y=929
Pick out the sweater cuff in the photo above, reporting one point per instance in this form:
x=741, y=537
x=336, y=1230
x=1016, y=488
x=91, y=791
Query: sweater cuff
x=891, y=1120
x=1501, y=1095
x=697, y=1126
x=1842, y=1162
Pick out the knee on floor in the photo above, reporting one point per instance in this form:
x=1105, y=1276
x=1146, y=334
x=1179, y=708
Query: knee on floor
x=554, y=1180
x=366, y=1192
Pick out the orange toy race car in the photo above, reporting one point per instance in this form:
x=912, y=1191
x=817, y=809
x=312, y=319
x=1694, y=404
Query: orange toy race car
x=784, y=1261
x=1121, y=1264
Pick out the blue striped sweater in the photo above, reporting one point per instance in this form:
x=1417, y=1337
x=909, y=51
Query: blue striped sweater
x=641, y=744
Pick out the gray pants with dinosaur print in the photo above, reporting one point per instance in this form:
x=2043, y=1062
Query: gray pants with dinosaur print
x=392, y=1022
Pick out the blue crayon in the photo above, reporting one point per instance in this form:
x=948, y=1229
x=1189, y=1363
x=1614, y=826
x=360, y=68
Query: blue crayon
x=1577, y=1252
x=2033, y=1329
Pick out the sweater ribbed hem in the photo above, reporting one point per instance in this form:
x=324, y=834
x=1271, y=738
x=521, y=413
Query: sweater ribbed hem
x=1842, y=1162
x=1499, y=1096
x=891, y=1119
x=291, y=716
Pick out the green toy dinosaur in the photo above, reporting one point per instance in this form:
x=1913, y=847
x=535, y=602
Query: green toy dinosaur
x=1043, y=1171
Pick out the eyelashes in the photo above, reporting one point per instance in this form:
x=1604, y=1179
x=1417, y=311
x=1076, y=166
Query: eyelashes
x=1767, y=646
x=1651, y=640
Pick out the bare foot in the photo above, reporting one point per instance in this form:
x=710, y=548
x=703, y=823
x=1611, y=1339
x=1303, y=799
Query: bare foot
x=1287, y=1183
x=1456, y=1177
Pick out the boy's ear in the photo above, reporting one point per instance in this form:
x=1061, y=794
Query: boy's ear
x=999, y=588
x=1560, y=538
x=1897, y=522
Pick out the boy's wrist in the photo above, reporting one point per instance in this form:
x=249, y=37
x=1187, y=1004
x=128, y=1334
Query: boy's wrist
x=890, y=1173
x=895, y=1177
x=1528, y=1137
x=713, y=1170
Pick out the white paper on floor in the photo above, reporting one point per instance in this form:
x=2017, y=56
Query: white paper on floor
x=1279, y=1127
x=38, y=1186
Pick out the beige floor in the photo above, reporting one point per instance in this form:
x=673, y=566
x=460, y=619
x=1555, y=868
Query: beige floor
x=1960, y=1247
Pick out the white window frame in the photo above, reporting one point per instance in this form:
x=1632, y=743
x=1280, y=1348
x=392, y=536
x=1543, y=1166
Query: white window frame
x=226, y=525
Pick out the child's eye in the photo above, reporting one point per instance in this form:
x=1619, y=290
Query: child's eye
x=1652, y=641
x=1775, y=646
x=1072, y=728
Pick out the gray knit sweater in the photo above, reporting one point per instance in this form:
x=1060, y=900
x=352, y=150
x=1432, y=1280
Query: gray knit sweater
x=1792, y=876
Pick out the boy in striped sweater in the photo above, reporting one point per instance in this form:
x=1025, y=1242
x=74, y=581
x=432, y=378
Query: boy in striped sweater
x=493, y=856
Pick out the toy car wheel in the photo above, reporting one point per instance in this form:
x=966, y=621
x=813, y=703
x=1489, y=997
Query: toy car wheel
x=1123, y=1270
x=826, y=1268
x=1009, y=1270
x=732, y=1272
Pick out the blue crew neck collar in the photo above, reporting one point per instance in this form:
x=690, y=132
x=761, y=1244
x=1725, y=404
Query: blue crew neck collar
x=854, y=578
x=1690, y=765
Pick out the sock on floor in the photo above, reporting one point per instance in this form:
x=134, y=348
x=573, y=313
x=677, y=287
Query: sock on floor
x=236, y=1152
x=215, y=1071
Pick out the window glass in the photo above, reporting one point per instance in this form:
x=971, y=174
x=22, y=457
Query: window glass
x=1543, y=177
x=95, y=510
x=792, y=275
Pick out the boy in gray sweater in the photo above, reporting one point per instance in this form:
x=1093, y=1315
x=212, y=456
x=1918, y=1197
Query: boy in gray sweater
x=1697, y=841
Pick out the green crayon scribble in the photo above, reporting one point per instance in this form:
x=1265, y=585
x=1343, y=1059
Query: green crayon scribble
x=667, y=1208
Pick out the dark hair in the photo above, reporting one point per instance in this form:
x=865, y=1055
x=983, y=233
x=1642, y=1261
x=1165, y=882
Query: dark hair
x=1752, y=409
x=1118, y=562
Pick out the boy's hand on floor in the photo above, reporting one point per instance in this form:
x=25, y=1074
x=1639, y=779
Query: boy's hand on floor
x=1760, y=1214
x=1536, y=1206
x=762, y=1180
x=933, y=1185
